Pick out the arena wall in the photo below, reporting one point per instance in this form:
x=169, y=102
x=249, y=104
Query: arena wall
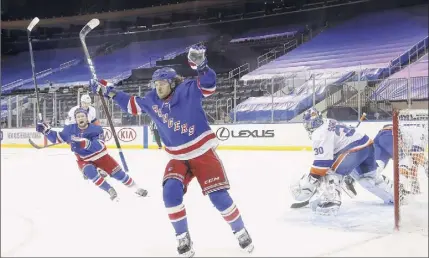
x=281, y=137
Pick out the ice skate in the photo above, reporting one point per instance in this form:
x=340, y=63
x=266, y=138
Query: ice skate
x=244, y=240
x=348, y=186
x=113, y=194
x=141, y=192
x=184, y=245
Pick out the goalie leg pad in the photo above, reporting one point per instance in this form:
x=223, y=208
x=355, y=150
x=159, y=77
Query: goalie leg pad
x=304, y=189
x=377, y=184
x=330, y=199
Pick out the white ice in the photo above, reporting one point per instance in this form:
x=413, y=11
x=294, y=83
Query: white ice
x=48, y=209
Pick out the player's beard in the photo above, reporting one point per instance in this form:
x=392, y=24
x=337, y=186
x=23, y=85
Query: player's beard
x=83, y=124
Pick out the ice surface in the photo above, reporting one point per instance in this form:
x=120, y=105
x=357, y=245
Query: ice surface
x=47, y=209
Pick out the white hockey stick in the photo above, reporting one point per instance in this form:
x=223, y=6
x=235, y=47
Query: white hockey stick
x=92, y=24
x=30, y=27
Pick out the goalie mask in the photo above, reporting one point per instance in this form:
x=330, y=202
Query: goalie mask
x=312, y=120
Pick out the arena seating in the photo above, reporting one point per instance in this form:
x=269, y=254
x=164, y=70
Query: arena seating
x=396, y=86
x=362, y=47
x=268, y=33
x=121, y=61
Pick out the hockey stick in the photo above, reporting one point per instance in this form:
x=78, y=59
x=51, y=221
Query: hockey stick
x=30, y=27
x=92, y=24
x=360, y=120
x=43, y=147
x=345, y=188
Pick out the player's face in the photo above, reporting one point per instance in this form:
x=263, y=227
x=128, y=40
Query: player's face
x=162, y=88
x=85, y=105
x=81, y=119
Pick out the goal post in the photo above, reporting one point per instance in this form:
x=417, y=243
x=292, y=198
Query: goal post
x=410, y=168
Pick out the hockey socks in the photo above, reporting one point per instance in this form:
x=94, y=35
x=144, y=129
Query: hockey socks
x=173, y=201
x=224, y=203
x=91, y=173
x=124, y=178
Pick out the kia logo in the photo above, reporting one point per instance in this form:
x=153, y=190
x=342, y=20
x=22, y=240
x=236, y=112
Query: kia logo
x=223, y=133
x=127, y=134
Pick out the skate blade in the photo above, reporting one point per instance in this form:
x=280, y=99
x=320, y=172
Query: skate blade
x=190, y=253
x=249, y=249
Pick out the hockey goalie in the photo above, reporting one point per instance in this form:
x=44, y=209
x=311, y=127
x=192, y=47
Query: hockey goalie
x=339, y=151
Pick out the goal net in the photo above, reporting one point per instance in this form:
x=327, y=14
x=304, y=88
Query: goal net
x=410, y=141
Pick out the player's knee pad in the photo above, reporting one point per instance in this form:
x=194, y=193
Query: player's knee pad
x=173, y=191
x=221, y=199
x=90, y=171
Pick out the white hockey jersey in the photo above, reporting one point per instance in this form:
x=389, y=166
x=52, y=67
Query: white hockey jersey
x=414, y=138
x=331, y=139
x=70, y=116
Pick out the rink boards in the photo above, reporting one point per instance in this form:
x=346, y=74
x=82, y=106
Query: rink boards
x=282, y=137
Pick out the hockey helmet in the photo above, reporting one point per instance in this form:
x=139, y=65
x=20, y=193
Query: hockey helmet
x=164, y=74
x=85, y=99
x=81, y=110
x=312, y=119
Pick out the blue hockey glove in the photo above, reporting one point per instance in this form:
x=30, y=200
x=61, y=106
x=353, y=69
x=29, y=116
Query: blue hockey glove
x=197, y=58
x=97, y=86
x=43, y=127
x=79, y=143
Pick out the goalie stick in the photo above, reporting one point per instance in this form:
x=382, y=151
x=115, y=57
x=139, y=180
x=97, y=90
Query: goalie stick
x=92, y=24
x=346, y=188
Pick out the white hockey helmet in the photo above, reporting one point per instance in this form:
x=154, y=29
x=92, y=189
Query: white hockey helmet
x=85, y=99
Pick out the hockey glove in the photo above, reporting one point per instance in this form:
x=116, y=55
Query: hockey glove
x=79, y=143
x=97, y=86
x=197, y=58
x=43, y=127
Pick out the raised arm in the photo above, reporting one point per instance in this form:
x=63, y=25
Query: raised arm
x=128, y=103
x=205, y=84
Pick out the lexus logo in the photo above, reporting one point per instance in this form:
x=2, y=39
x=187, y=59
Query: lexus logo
x=223, y=133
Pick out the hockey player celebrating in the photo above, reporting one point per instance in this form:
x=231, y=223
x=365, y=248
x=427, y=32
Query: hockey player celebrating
x=338, y=151
x=85, y=103
x=86, y=142
x=175, y=105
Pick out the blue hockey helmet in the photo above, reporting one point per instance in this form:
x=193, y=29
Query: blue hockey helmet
x=80, y=110
x=312, y=119
x=165, y=73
